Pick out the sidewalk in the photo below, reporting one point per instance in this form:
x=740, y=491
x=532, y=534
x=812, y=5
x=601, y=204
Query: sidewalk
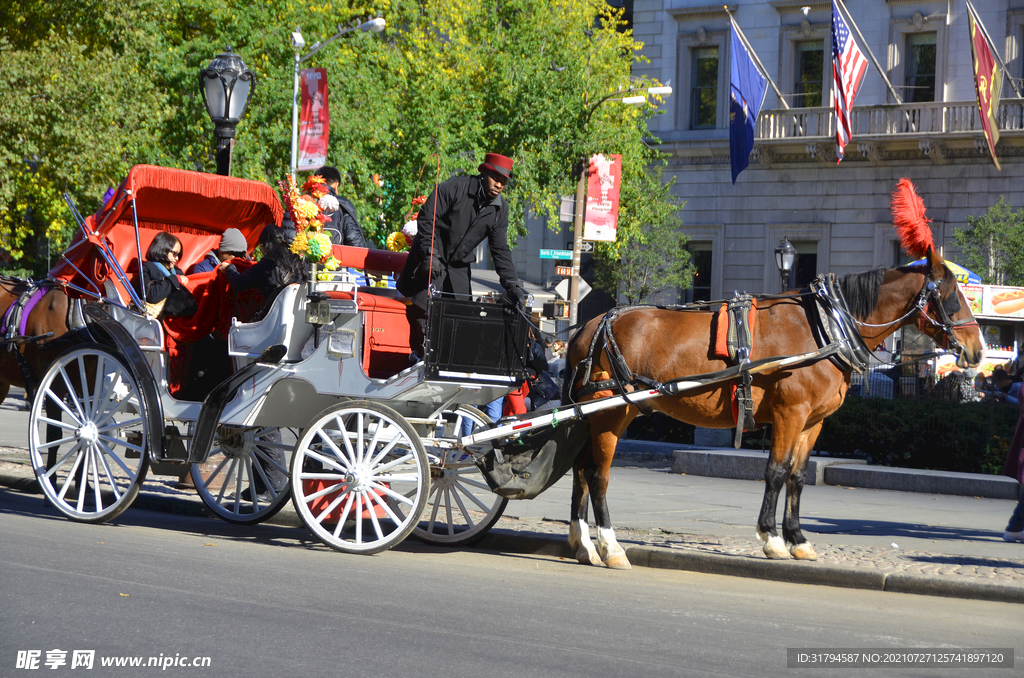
x=920, y=542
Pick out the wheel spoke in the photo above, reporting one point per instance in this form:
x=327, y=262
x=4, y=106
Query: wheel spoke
x=110, y=476
x=96, y=480
x=457, y=485
x=379, y=500
x=336, y=487
x=83, y=479
x=344, y=513
x=368, y=502
x=324, y=460
x=76, y=420
x=404, y=498
x=80, y=416
x=394, y=463
x=262, y=454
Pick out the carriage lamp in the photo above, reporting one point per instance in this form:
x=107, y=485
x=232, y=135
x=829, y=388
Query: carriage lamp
x=785, y=257
x=226, y=85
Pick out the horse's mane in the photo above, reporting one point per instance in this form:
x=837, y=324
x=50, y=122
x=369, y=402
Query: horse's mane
x=861, y=289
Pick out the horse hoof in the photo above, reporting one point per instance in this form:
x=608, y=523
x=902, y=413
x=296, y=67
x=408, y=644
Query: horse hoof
x=589, y=556
x=775, y=548
x=804, y=551
x=619, y=562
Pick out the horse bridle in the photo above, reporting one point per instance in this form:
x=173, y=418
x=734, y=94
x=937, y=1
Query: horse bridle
x=930, y=295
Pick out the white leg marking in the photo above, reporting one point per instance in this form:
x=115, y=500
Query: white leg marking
x=613, y=554
x=579, y=539
x=773, y=547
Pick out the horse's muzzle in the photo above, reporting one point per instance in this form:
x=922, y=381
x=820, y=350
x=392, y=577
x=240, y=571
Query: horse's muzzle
x=965, y=358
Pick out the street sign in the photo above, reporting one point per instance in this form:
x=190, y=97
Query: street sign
x=556, y=254
x=587, y=246
x=563, y=270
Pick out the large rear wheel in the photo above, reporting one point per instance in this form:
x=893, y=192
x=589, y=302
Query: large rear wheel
x=461, y=508
x=359, y=477
x=88, y=434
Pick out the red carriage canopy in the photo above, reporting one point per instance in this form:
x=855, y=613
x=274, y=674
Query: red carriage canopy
x=195, y=207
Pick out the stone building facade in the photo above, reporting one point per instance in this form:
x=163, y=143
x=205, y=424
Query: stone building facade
x=837, y=216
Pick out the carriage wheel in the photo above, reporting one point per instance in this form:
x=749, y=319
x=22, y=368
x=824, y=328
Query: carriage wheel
x=359, y=477
x=101, y=435
x=461, y=507
x=245, y=478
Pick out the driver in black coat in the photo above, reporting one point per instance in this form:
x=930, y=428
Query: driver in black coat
x=461, y=213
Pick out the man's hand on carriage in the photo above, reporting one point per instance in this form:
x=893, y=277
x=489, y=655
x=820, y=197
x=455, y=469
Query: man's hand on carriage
x=515, y=297
x=430, y=269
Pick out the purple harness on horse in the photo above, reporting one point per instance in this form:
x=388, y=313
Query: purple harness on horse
x=15, y=320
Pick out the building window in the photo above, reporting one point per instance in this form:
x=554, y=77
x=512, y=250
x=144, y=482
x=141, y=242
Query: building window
x=704, y=76
x=805, y=269
x=919, y=75
x=900, y=258
x=700, y=259
x=809, y=76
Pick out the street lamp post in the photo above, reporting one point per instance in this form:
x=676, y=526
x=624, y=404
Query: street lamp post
x=226, y=85
x=298, y=42
x=785, y=257
x=580, y=207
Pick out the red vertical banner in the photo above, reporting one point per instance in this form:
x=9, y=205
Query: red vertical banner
x=988, y=80
x=603, y=178
x=314, y=120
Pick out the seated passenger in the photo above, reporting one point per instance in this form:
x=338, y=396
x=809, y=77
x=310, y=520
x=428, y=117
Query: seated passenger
x=232, y=244
x=166, y=294
x=278, y=267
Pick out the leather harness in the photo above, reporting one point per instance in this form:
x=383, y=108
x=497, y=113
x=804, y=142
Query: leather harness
x=832, y=324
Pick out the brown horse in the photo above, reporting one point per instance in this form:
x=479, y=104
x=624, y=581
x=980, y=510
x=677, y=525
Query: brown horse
x=667, y=344
x=48, y=316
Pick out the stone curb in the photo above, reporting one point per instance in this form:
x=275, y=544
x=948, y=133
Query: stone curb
x=788, y=571
x=532, y=543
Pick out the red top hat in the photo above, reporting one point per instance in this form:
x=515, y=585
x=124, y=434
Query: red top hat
x=497, y=163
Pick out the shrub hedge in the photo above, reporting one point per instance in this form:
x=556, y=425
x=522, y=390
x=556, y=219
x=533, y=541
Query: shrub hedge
x=965, y=438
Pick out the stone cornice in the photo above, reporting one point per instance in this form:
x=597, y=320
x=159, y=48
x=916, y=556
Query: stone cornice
x=708, y=12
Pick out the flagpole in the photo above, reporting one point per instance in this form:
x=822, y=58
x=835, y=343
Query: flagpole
x=757, y=61
x=853, y=25
x=992, y=46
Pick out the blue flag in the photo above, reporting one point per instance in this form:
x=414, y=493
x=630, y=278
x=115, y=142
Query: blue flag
x=747, y=88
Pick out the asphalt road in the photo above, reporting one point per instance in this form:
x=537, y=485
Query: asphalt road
x=267, y=601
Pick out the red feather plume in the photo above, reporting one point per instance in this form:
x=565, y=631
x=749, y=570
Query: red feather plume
x=909, y=219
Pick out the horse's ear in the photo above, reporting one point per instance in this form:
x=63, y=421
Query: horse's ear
x=937, y=264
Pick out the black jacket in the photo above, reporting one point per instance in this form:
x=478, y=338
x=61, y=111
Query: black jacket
x=344, y=222
x=159, y=286
x=465, y=217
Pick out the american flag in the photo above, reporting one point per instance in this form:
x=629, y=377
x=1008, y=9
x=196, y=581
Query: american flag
x=848, y=68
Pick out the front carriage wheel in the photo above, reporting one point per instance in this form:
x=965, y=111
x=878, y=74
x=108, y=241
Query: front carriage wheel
x=359, y=477
x=87, y=418
x=244, y=479
x=461, y=508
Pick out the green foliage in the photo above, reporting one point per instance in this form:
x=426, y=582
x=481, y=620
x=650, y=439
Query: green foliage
x=650, y=253
x=95, y=87
x=960, y=437
x=963, y=438
x=993, y=244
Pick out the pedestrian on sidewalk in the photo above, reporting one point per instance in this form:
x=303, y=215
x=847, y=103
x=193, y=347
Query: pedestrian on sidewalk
x=1014, y=468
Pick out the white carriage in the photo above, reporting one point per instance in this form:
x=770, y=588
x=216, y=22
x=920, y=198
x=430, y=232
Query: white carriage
x=323, y=391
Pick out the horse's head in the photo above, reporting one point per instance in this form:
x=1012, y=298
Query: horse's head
x=945, y=314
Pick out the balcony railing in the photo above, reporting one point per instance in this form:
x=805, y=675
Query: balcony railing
x=911, y=120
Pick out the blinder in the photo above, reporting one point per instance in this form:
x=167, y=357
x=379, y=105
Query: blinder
x=931, y=296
